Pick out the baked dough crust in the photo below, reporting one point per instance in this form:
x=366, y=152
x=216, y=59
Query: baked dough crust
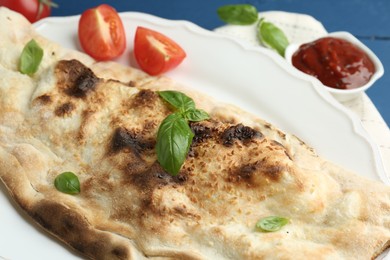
x=100, y=120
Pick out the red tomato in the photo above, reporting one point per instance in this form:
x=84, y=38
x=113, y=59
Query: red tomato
x=101, y=33
x=155, y=52
x=33, y=10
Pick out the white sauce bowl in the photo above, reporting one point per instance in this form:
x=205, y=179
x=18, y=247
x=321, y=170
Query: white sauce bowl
x=345, y=94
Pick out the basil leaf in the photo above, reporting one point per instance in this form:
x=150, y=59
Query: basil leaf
x=30, y=58
x=178, y=100
x=67, y=182
x=240, y=14
x=271, y=224
x=174, y=138
x=272, y=37
x=196, y=115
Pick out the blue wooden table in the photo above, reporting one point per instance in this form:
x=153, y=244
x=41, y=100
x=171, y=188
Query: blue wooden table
x=368, y=20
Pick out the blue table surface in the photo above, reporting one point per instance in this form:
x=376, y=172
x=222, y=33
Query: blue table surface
x=368, y=20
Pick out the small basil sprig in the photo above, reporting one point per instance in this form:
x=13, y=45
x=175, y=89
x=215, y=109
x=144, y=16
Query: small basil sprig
x=67, y=182
x=30, y=58
x=240, y=14
x=178, y=100
x=272, y=36
x=267, y=33
x=271, y=223
x=174, y=136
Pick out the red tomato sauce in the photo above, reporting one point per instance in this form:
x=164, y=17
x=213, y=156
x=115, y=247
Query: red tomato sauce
x=337, y=63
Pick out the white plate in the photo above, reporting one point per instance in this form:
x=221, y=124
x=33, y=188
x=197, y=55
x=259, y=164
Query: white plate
x=255, y=79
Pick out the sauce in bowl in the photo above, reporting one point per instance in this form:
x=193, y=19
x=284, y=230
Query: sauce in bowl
x=337, y=63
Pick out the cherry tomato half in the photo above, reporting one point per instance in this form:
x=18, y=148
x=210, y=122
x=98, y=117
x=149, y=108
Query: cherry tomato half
x=33, y=10
x=155, y=52
x=101, y=33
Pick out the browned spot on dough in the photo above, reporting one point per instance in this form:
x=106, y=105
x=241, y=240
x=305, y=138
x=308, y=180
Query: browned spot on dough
x=282, y=135
x=132, y=83
x=268, y=125
x=288, y=155
x=74, y=228
x=276, y=143
x=85, y=116
x=125, y=139
x=265, y=169
x=55, y=217
x=97, y=184
x=115, y=81
x=273, y=171
x=155, y=176
x=64, y=110
x=239, y=132
x=201, y=133
x=120, y=252
x=75, y=79
x=150, y=125
x=44, y=99
x=182, y=210
x=147, y=179
x=144, y=98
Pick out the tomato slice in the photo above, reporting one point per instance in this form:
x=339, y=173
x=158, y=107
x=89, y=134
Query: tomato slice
x=101, y=33
x=33, y=10
x=155, y=53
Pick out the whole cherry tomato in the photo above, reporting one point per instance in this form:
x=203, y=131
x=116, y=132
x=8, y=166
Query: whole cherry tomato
x=101, y=33
x=33, y=10
x=156, y=53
